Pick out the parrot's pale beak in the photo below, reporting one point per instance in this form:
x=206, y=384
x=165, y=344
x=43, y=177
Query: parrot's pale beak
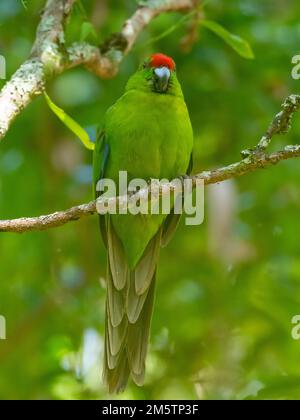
x=161, y=77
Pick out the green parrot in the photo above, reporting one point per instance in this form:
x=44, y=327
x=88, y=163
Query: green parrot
x=147, y=133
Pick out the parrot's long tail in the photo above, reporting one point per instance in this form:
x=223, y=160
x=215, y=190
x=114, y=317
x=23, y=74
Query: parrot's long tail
x=129, y=305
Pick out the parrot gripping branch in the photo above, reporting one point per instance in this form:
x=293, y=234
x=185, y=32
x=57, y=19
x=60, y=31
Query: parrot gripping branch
x=253, y=159
x=50, y=56
x=247, y=165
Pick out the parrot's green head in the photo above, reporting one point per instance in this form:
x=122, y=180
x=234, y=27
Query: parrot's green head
x=158, y=75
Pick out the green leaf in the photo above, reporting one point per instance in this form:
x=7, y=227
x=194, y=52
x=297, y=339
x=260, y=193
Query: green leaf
x=86, y=30
x=71, y=124
x=240, y=45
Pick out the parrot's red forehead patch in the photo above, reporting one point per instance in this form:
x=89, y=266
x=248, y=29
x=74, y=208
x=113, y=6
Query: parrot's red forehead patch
x=162, y=60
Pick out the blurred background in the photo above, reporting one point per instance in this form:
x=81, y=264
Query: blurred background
x=227, y=290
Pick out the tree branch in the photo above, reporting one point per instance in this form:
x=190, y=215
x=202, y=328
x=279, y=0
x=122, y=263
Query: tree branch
x=50, y=56
x=45, y=59
x=247, y=165
x=280, y=124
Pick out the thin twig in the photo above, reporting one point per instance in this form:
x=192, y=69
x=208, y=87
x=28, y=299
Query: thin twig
x=280, y=124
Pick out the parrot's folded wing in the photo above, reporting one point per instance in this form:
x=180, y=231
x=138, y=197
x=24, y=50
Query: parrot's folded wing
x=170, y=226
x=117, y=260
x=145, y=269
x=100, y=161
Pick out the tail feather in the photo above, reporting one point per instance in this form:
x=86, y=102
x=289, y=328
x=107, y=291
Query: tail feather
x=135, y=302
x=117, y=261
x=116, y=376
x=128, y=313
x=116, y=336
x=147, y=265
x=138, y=334
x=111, y=359
x=116, y=301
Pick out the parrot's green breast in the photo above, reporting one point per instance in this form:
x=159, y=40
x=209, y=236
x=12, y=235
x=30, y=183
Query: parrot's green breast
x=149, y=136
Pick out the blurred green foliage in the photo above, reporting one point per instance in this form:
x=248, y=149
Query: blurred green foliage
x=227, y=290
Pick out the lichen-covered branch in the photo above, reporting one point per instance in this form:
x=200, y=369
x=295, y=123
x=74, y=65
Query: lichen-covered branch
x=280, y=124
x=143, y=16
x=245, y=166
x=282, y=121
x=59, y=218
x=50, y=36
x=46, y=59
x=26, y=83
x=50, y=56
